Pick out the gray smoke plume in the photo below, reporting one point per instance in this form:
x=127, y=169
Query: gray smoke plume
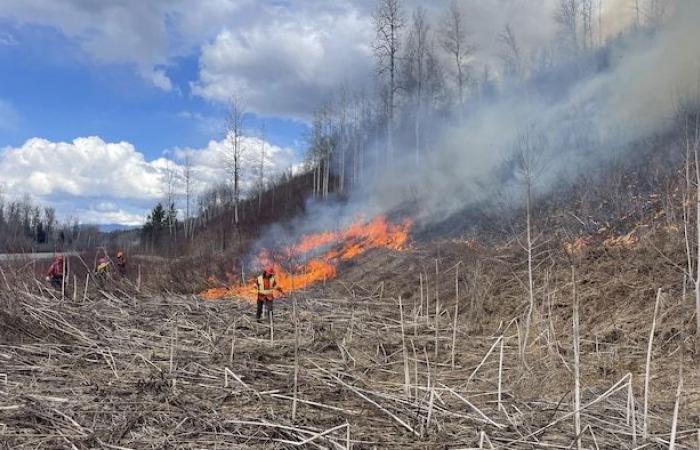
x=588, y=111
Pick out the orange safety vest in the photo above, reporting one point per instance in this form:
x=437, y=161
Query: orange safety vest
x=266, y=287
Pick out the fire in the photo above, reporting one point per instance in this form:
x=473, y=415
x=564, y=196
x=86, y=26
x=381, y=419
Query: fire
x=343, y=245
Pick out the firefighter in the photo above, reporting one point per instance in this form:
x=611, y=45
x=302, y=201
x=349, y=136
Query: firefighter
x=104, y=265
x=121, y=263
x=266, y=287
x=55, y=272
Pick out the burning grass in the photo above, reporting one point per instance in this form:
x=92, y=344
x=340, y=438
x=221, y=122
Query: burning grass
x=308, y=268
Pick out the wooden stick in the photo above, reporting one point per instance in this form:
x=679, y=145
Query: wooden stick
x=63, y=279
x=577, y=364
x=483, y=360
x=632, y=413
x=173, y=344
x=420, y=281
x=296, y=357
x=75, y=288
x=647, y=372
x=437, y=307
x=87, y=282
x=500, y=372
x=454, y=323
x=406, y=372
x=676, y=406
x=233, y=341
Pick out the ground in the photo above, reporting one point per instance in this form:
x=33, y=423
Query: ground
x=360, y=361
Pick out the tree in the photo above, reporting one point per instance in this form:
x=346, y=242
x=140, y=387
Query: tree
x=171, y=181
x=587, y=23
x=187, y=179
x=388, y=22
x=567, y=17
x=156, y=222
x=453, y=39
x=510, y=52
x=234, y=151
x=261, y=168
x=528, y=163
x=417, y=71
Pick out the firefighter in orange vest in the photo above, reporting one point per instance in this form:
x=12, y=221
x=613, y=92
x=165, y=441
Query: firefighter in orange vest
x=55, y=272
x=266, y=287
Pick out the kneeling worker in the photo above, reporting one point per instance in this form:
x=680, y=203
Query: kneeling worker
x=55, y=272
x=266, y=286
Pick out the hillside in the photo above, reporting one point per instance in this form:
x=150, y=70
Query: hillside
x=422, y=347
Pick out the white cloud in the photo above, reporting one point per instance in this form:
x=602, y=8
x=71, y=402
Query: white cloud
x=287, y=65
x=158, y=78
x=282, y=57
x=103, y=182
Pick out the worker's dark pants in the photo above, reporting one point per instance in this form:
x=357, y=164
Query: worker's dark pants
x=268, y=307
x=57, y=282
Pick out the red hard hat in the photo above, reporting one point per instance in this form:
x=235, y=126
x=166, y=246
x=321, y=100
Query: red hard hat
x=270, y=270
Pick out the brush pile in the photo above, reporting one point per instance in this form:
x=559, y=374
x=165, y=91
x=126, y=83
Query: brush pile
x=348, y=365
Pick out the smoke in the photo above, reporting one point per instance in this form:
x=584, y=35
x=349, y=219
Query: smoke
x=583, y=112
x=581, y=117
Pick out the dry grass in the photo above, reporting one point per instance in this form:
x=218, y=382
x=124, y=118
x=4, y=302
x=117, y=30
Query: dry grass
x=123, y=369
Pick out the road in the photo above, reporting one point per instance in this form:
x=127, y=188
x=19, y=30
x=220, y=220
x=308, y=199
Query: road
x=34, y=256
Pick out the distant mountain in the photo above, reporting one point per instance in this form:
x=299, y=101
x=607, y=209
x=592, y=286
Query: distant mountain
x=112, y=227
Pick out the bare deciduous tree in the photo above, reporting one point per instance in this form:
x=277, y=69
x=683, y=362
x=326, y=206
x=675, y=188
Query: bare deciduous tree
x=510, y=52
x=187, y=180
x=567, y=17
x=454, y=41
x=417, y=71
x=528, y=160
x=234, y=151
x=388, y=21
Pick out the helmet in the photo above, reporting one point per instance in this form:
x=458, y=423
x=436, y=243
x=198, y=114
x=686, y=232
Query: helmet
x=270, y=270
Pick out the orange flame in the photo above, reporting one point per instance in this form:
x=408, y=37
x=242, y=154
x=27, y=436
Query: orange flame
x=346, y=245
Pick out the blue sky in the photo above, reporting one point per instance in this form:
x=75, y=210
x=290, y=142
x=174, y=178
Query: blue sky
x=58, y=95
x=94, y=93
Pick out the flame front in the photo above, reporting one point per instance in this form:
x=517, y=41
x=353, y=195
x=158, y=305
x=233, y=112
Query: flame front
x=344, y=246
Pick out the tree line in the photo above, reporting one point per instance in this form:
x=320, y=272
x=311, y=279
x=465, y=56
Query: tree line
x=29, y=227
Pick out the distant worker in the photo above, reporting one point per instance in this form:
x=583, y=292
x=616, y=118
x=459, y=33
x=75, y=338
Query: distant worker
x=103, y=266
x=121, y=263
x=266, y=287
x=55, y=272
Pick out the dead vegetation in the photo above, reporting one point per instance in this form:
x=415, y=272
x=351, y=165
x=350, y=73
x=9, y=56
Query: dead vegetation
x=375, y=359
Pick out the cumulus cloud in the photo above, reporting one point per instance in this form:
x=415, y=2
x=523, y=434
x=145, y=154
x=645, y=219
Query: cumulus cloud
x=158, y=78
x=286, y=65
x=283, y=57
x=146, y=34
x=103, y=182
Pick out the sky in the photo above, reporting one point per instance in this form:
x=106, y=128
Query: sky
x=97, y=95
